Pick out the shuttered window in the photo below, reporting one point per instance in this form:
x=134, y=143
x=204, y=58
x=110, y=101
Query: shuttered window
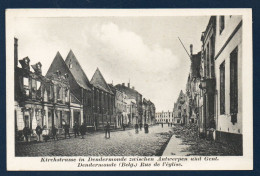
x=233, y=85
x=222, y=88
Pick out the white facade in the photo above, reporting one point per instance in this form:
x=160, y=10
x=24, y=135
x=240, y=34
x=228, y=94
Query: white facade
x=228, y=41
x=131, y=110
x=164, y=117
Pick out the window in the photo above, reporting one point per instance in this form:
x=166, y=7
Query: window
x=207, y=57
x=204, y=63
x=212, y=53
x=38, y=92
x=34, y=88
x=66, y=95
x=233, y=86
x=222, y=88
x=59, y=94
x=26, y=86
x=221, y=24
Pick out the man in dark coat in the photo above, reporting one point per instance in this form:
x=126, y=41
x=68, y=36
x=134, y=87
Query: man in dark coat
x=136, y=128
x=54, y=132
x=123, y=125
x=107, y=130
x=39, y=133
x=67, y=130
x=76, y=129
x=82, y=130
x=146, y=126
x=26, y=133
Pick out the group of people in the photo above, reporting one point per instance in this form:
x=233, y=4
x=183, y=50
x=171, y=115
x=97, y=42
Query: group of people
x=77, y=129
x=169, y=124
x=146, y=126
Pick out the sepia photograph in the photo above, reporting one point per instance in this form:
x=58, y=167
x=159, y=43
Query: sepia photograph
x=129, y=83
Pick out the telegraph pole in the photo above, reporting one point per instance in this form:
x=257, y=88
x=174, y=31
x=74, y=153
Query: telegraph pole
x=184, y=47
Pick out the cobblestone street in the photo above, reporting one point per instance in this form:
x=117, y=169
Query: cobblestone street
x=121, y=143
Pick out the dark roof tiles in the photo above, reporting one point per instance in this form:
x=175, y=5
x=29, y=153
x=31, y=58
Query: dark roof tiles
x=99, y=82
x=77, y=71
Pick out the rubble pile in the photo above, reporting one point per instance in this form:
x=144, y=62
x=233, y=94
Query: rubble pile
x=202, y=146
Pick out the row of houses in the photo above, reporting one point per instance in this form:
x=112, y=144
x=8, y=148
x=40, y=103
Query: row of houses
x=164, y=117
x=65, y=95
x=213, y=97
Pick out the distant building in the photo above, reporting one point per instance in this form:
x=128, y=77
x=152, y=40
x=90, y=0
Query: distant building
x=119, y=106
x=132, y=93
x=103, y=101
x=164, y=117
x=152, y=110
x=228, y=68
x=180, y=109
x=148, y=112
x=131, y=111
x=176, y=114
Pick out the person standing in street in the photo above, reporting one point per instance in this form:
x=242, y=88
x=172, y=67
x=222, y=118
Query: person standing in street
x=107, y=130
x=54, y=132
x=146, y=126
x=162, y=125
x=39, y=133
x=26, y=133
x=76, y=129
x=141, y=125
x=67, y=130
x=136, y=128
x=82, y=130
x=123, y=125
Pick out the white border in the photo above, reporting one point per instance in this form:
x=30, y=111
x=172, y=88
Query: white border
x=244, y=162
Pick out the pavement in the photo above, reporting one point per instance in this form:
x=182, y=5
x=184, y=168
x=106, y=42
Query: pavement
x=176, y=147
x=121, y=143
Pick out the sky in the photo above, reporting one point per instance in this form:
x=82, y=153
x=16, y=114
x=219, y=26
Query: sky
x=143, y=50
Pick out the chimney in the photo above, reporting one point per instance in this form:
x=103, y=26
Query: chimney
x=123, y=84
x=128, y=84
x=15, y=52
x=133, y=88
x=191, y=48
